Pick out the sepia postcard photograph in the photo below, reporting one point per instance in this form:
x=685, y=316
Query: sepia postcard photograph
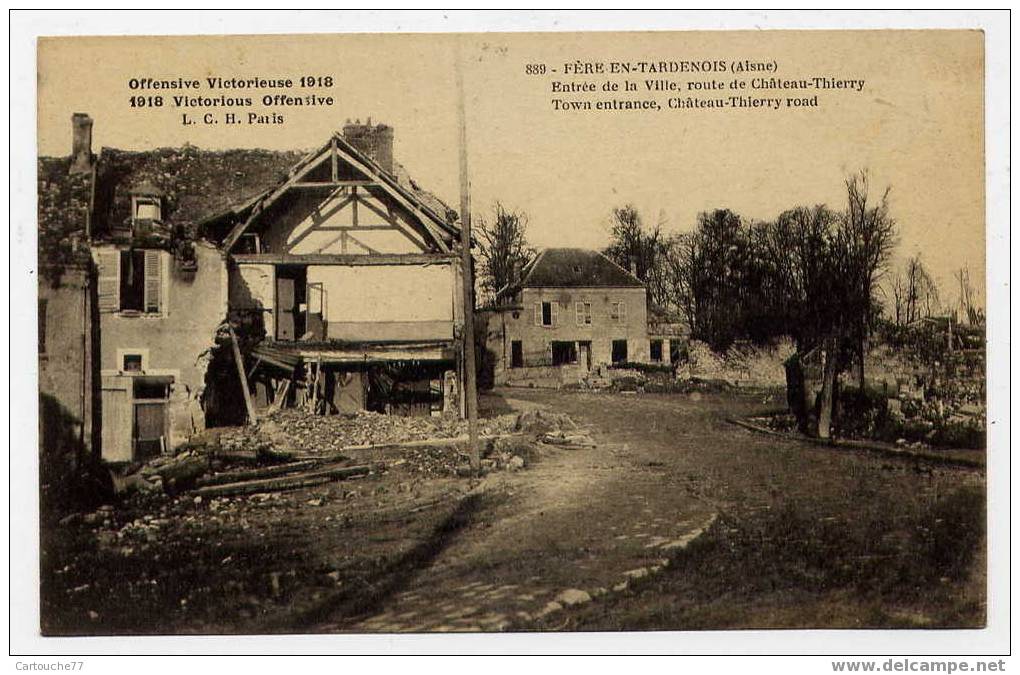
x=530, y=332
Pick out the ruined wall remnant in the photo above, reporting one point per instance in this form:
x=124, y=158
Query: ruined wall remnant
x=81, y=143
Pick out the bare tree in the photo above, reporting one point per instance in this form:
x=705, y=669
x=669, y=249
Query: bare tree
x=675, y=275
x=860, y=251
x=967, y=310
x=637, y=248
x=503, y=249
x=915, y=293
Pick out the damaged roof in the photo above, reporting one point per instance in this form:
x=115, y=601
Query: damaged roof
x=238, y=217
x=576, y=267
x=63, y=211
x=204, y=193
x=194, y=183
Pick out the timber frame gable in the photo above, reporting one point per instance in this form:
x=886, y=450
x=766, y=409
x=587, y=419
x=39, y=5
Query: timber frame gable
x=348, y=199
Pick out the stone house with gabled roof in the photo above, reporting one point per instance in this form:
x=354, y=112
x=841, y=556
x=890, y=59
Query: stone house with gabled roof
x=573, y=310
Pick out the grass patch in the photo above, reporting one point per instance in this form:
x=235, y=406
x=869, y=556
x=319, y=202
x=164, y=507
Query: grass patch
x=787, y=568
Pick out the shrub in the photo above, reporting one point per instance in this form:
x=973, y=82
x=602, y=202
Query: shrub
x=862, y=413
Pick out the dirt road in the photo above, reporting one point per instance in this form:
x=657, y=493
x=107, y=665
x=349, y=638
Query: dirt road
x=807, y=536
x=573, y=527
x=611, y=537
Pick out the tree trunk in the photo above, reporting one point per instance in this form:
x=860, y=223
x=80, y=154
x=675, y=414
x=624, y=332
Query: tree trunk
x=828, y=387
x=860, y=372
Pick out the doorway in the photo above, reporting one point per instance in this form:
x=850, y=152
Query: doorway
x=291, y=283
x=584, y=354
x=151, y=396
x=516, y=354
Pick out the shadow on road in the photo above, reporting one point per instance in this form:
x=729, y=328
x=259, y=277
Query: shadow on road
x=351, y=605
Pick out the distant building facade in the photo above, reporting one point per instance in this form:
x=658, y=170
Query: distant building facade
x=572, y=311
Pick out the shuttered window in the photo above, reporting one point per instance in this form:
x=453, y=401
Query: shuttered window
x=130, y=280
x=545, y=313
x=108, y=282
x=582, y=311
x=619, y=312
x=153, y=282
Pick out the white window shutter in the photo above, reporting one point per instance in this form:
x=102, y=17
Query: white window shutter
x=579, y=313
x=153, y=281
x=108, y=280
x=538, y=313
x=555, y=307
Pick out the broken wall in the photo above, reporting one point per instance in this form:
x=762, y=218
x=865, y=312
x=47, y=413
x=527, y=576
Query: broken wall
x=252, y=289
x=387, y=302
x=65, y=370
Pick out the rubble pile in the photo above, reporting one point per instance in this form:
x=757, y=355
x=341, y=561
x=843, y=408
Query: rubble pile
x=435, y=461
x=244, y=443
x=540, y=421
x=553, y=429
x=169, y=473
x=290, y=449
x=742, y=364
x=315, y=434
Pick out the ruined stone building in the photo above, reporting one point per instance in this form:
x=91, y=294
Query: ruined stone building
x=337, y=273
x=68, y=384
x=573, y=310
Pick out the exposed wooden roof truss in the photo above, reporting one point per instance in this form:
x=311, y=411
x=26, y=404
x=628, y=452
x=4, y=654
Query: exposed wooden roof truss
x=375, y=200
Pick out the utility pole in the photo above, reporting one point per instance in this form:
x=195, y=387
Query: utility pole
x=470, y=387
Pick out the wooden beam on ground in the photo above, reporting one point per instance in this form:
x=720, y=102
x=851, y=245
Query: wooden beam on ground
x=288, y=482
x=249, y=404
x=255, y=474
x=346, y=451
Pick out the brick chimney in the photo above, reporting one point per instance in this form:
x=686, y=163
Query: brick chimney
x=81, y=143
x=374, y=141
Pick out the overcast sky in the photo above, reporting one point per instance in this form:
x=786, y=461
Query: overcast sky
x=916, y=125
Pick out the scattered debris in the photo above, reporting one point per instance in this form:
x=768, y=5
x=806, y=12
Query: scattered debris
x=323, y=435
x=576, y=440
x=253, y=474
x=573, y=596
x=539, y=421
x=287, y=482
